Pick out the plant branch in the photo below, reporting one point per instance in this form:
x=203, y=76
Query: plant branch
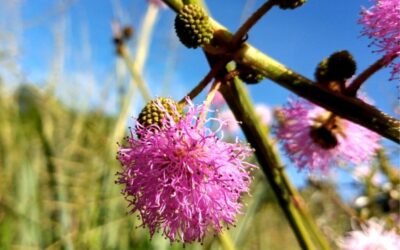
x=240, y=104
x=303, y=209
x=204, y=82
x=249, y=23
x=346, y=107
x=361, y=78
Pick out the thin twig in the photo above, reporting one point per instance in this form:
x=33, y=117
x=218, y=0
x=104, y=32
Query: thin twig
x=249, y=23
x=136, y=74
x=367, y=73
x=204, y=82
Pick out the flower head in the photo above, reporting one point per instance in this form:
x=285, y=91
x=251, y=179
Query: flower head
x=382, y=24
x=182, y=178
x=372, y=236
x=315, y=139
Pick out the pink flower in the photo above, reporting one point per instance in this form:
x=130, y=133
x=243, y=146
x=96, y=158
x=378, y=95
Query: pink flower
x=182, y=178
x=315, y=139
x=382, y=24
x=372, y=236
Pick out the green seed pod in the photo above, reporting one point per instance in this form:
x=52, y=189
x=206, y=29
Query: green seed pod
x=289, y=4
x=249, y=75
x=193, y=27
x=151, y=113
x=337, y=67
x=341, y=65
x=321, y=73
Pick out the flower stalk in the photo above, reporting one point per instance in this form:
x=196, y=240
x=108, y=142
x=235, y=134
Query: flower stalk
x=367, y=73
x=240, y=104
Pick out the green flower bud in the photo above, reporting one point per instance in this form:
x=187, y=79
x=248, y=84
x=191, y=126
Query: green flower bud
x=193, y=27
x=249, y=75
x=152, y=114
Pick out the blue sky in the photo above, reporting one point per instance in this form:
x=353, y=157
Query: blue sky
x=299, y=39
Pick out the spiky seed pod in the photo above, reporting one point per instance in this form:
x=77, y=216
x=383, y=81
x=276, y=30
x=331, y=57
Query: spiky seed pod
x=152, y=114
x=289, y=4
x=337, y=67
x=193, y=27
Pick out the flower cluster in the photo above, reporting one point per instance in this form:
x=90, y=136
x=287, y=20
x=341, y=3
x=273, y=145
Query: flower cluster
x=382, y=24
x=372, y=236
x=182, y=178
x=315, y=139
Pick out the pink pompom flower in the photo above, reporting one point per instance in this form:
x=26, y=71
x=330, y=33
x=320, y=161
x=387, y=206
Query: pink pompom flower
x=382, y=24
x=372, y=236
x=315, y=139
x=182, y=178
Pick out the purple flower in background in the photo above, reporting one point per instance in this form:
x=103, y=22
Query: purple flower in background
x=182, y=178
x=218, y=100
x=158, y=3
x=372, y=236
x=263, y=112
x=230, y=124
x=363, y=172
x=315, y=139
x=382, y=24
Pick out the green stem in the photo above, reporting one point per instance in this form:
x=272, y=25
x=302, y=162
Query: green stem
x=226, y=241
x=240, y=104
x=349, y=108
x=346, y=107
x=307, y=218
x=391, y=173
x=361, y=78
x=204, y=82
